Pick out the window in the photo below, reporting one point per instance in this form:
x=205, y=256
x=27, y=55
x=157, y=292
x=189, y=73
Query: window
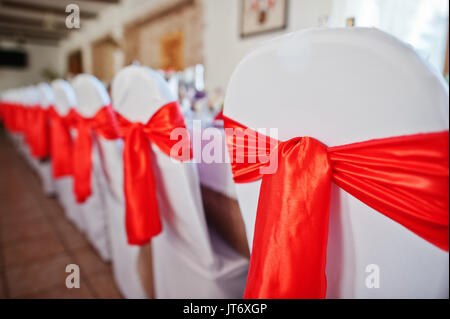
x=421, y=23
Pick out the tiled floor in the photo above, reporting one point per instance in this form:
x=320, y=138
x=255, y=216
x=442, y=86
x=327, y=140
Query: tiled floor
x=37, y=242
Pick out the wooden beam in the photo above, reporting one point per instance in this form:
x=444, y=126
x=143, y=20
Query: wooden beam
x=31, y=34
x=20, y=27
x=42, y=9
x=103, y=1
x=31, y=22
x=15, y=38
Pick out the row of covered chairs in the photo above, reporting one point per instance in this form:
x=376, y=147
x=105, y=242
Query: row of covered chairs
x=374, y=225
x=86, y=171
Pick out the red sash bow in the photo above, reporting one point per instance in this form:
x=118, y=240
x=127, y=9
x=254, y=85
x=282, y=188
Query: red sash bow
x=219, y=116
x=405, y=178
x=38, y=132
x=14, y=117
x=32, y=122
x=22, y=120
x=26, y=122
x=42, y=133
x=61, y=143
x=28, y=126
x=17, y=111
x=102, y=123
x=31, y=127
x=8, y=115
x=142, y=215
x=9, y=110
x=2, y=117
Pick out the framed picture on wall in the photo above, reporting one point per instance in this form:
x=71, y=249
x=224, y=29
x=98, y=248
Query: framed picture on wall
x=262, y=16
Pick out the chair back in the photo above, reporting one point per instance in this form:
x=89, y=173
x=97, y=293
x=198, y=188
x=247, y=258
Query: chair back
x=342, y=86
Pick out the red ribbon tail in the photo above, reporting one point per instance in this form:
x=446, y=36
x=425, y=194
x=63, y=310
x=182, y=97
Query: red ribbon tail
x=293, y=210
x=82, y=166
x=40, y=135
x=61, y=149
x=142, y=215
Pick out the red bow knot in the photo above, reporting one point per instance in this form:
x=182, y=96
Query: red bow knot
x=39, y=134
x=142, y=213
x=405, y=178
x=102, y=123
x=61, y=144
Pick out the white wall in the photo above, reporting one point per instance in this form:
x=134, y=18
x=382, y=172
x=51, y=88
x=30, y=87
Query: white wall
x=39, y=57
x=223, y=46
x=420, y=23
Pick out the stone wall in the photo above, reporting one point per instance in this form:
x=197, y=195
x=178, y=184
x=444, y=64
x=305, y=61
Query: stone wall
x=103, y=59
x=144, y=40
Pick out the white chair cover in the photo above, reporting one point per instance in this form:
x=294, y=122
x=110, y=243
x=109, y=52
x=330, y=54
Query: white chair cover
x=28, y=99
x=64, y=101
x=92, y=95
x=13, y=96
x=32, y=98
x=343, y=86
x=188, y=260
x=45, y=171
x=90, y=98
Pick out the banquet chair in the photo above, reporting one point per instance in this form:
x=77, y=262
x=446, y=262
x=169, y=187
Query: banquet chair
x=46, y=101
x=90, y=99
x=28, y=99
x=342, y=86
x=189, y=260
x=64, y=101
x=33, y=98
x=13, y=96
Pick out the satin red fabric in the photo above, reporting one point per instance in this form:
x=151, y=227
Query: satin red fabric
x=61, y=144
x=7, y=115
x=40, y=133
x=405, y=178
x=27, y=126
x=32, y=122
x=101, y=124
x=142, y=214
x=18, y=118
x=9, y=111
x=13, y=116
x=219, y=115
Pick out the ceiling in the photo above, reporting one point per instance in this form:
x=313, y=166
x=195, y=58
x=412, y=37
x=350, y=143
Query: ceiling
x=43, y=21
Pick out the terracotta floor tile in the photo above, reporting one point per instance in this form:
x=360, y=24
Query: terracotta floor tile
x=29, y=250
x=62, y=292
x=72, y=238
x=17, y=196
x=37, y=276
x=2, y=288
x=37, y=241
x=12, y=207
x=90, y=263
x=19, y=216
x=104, y=286
x=53, y=211
x=25, y=229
